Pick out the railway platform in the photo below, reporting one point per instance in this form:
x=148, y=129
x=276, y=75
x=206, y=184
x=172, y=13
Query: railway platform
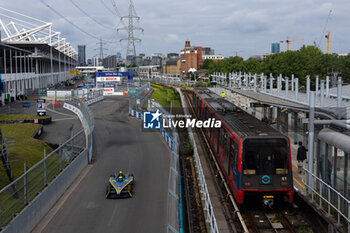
x=326, y=188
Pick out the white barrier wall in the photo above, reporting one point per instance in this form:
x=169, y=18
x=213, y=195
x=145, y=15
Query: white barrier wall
x=59, y=94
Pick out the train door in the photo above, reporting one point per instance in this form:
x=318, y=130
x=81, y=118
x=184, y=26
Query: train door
x=221, y=143
x=216, y=141
x=212, y=132
x=234, y=161
x=206, y=117
x=198, y=107
x=226, y=154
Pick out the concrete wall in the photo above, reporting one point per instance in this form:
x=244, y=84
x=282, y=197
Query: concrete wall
x=37, y=209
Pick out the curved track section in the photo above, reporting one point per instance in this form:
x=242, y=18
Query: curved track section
x=119, y=143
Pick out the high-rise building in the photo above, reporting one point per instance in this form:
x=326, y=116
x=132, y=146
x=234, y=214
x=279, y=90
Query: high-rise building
x=81, y=55
x=95, y=61
x=208, y=51
x=275, y=48
x=110, y=61
x=191, y=57
x=119, y=57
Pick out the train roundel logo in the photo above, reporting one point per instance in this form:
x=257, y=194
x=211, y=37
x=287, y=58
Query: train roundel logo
x=266, y=179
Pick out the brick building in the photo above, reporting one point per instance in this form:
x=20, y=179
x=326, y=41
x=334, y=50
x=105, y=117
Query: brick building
x=170, y=68
x=191, y=57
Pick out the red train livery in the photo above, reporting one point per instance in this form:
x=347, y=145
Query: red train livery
x=254, y=157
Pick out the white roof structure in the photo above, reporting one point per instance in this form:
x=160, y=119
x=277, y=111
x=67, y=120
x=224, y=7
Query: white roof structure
x=18, y=28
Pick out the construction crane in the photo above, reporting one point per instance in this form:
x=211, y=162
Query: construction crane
x=327, y=36
x=324, y=29
x=291, y=40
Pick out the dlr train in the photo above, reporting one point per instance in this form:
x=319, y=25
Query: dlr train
x=254, y=157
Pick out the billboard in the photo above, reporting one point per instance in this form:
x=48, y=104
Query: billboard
x=108, y=79
x=114, y=74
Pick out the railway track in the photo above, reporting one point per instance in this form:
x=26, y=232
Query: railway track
x=278, y=221
x=252, y=219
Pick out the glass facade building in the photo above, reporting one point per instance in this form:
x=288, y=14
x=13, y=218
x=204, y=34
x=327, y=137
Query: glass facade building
x=275, y=48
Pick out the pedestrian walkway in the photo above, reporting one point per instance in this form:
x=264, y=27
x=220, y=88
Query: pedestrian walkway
x=17, y=108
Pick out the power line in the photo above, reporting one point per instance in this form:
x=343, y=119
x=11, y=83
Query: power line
x=84, y=12
x=105, y=5
x=74, y=25
x=115, y=8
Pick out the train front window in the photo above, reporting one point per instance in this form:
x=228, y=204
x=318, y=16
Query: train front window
x=265, y=156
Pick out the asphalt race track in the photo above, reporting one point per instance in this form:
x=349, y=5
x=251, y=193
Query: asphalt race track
x=119, y=143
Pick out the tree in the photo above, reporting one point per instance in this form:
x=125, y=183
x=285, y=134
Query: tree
x=206, y=64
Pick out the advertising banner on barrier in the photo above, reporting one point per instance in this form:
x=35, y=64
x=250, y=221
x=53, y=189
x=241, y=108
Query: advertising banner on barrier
x=108, y=91
x=108, y=79
x=75, y=110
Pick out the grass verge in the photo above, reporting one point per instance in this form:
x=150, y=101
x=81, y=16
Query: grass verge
x=24, y=149
x=165, y=95
x=20, y=117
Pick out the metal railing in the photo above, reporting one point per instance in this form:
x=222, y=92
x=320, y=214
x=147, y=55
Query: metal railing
x=18, y=194
x=287, y=88
x=138, y=101
x=208, y=207
x=328, y=198
x=169, y=81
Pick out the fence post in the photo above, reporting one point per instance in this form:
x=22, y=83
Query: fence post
x=348, y=217
x=322, y=94
x=25, y=185
x=339, y=208
x=329, y=200
x=286, y=86
x=60, y=157
x=255, y=76
x=321, y=195
x=296, y=88
x=311, y=139
x=271, y=83
x=279, y=84
x=308, y=89
x=317, y=85
x=45, y=168
x=327, y=86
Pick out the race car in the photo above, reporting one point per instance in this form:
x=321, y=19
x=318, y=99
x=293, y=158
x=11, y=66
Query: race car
x=120, y=185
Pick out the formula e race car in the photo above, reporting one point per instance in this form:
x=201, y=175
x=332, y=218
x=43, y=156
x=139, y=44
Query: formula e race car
x=120, y=185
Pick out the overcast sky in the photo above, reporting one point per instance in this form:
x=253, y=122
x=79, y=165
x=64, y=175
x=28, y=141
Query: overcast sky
x=247, y=27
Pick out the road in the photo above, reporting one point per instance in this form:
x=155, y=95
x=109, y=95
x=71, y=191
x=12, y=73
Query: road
x=119, y=143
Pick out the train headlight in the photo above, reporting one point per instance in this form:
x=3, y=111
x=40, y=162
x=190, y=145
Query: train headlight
x=284, y=178
x=284, y=183
x=247, y=183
